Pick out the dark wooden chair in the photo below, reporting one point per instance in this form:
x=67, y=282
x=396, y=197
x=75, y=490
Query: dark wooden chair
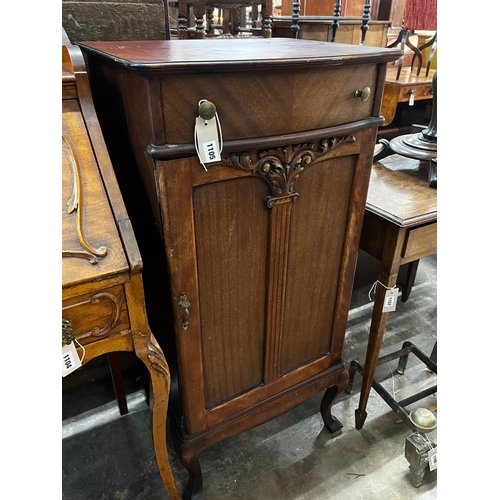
x=231, y=20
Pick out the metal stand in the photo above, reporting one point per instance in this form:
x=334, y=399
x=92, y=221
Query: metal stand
x=402, y=354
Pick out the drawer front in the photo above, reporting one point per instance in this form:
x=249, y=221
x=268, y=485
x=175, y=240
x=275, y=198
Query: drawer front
x=420, y=242
x=270, y=103
x=421, y=92
x=97, y=315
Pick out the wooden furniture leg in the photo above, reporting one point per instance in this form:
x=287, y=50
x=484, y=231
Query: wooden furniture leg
x=388, y=274
x=332, y=423
x=410, y=280
x=115, y=370
x=150, y=353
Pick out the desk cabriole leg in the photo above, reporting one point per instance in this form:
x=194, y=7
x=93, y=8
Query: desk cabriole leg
x=149, y=352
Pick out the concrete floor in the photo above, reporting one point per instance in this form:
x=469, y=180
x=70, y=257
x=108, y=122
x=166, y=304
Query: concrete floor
x=106, y=456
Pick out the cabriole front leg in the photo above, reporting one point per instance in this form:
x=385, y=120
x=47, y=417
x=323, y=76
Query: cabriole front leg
x=332, y=423
x=149, y=352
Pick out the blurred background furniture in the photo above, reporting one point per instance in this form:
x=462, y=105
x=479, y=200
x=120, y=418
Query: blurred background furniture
x=224, y=18
x=420, y=145
x=418, y=15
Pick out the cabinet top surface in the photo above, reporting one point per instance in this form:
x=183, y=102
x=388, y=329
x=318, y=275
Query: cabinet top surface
x=162, y=55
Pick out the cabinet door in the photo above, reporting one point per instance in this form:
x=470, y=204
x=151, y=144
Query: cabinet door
x=263, y=246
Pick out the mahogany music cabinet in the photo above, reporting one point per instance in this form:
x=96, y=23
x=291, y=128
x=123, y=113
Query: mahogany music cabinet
x=260, y=250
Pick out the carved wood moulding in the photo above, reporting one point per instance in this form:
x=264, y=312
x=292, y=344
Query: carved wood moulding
x=113, y=318
x=282, y=166
x=74, y=204
x=156, y=357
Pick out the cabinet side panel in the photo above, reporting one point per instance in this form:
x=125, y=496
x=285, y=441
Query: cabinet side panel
x=317, y=234
x=231, y=227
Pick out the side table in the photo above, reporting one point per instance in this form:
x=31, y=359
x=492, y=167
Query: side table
x=407, y=88
x=400, y=227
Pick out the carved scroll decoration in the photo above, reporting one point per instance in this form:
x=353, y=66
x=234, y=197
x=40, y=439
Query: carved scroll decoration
x=114, y=319
x=74, y=205
x=281, y=167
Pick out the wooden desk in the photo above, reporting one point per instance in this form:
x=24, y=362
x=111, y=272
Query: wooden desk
x=103, y=306
x=401, y=90
x=400, y=227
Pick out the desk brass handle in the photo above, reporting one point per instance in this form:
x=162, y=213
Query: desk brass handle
x=184, y=303
x=68, y=335
x=364, y=94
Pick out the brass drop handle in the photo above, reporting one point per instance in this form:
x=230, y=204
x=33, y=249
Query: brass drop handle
x=364, y=94
x=184, y=303
x=68, y=335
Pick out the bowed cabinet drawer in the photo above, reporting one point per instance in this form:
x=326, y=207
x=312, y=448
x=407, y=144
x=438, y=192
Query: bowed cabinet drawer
x=320, y=101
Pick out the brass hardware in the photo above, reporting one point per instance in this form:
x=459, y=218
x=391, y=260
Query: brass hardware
x=207, y=110
x=364, y=94
x=68, y=335
x=184, y=303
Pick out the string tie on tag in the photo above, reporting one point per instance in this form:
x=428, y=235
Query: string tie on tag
x=83, y=349
x=374, y=288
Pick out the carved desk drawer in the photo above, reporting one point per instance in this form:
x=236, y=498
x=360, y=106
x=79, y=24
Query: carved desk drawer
x=98, y=314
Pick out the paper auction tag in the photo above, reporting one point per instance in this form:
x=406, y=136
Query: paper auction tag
x=70, y=359
x=433, y=460
x=207, y=140
x=390, y=299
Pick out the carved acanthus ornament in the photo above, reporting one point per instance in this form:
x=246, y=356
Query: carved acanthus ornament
x=281, y=167
x=74, y=206
x=157, y=358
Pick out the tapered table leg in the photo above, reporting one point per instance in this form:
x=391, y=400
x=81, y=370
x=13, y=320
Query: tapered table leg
x=388, y=274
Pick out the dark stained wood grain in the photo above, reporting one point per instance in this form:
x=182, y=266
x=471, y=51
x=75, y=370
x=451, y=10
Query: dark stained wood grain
x=231, y=226
x=316, y=246
x=161, y=56
x=309, y=100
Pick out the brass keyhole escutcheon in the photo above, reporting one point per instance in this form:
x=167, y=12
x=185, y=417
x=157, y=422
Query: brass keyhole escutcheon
x=184, y=303
x=364, y=94
x=68, y=335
